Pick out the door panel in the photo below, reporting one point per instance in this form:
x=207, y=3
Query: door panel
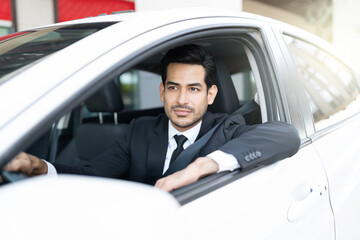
x=341, y=156
x=332, y=94
x=275, y=202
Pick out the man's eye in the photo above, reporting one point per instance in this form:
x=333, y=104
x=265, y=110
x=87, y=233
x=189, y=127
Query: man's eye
x=194, y=89
x=172, y=87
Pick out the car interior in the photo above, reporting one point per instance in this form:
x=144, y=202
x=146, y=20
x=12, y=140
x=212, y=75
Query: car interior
x=92, y=127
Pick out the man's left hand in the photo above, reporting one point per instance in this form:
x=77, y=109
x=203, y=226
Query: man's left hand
x=201, y=167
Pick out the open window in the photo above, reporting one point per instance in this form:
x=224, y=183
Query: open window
x=247, y=82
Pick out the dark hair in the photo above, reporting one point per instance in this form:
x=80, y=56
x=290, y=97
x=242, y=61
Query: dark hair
x=190, y=54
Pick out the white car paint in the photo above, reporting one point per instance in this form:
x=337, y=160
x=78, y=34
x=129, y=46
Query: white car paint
x=77, y=207
x=272, y=203
x=342, y=165
x=307, y=196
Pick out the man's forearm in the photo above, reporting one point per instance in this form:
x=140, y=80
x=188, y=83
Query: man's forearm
x=199, y=168
x=204, y=166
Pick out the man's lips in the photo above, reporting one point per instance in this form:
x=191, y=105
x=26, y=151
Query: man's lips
x=182, y=112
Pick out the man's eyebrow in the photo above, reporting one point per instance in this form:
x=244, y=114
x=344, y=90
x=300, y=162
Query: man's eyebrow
x=195, y=85
x=171, y=83
x=191, y=84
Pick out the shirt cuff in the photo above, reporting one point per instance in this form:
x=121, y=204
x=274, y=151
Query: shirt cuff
x=226, y=162
x=51, y=169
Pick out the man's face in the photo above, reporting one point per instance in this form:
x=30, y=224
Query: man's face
x=185, y=95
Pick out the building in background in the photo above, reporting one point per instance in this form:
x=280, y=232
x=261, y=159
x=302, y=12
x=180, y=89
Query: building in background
x=17, y=15
x=336, y=21
x=74, y=9
x=346, y=29
x=5, y=17
x=315, y=16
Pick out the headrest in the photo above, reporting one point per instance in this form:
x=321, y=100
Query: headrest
x=226, y=100
x=107, y=99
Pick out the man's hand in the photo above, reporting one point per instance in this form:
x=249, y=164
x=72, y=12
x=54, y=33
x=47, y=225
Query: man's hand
x=201, y=167
x=27, y=164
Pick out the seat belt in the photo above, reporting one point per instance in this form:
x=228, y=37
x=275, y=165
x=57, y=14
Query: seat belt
x=190, y=153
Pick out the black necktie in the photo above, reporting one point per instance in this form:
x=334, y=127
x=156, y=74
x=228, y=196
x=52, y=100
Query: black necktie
x=180, y=140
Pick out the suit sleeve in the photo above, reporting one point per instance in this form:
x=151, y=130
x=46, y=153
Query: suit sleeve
x=113, y=162
x=260, y=144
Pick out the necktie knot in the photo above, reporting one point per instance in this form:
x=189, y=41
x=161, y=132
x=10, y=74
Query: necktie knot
x=180, y=140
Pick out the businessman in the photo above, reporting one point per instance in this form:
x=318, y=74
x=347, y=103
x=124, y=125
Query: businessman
x=150, y=150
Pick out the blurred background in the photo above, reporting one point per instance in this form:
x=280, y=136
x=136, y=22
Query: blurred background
x=336, y=21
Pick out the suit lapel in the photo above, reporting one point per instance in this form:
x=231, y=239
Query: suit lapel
x=158, y=145
x=207, y=123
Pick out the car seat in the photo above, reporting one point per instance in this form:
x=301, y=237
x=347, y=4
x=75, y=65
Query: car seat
x=91, y=139
x=227, y=100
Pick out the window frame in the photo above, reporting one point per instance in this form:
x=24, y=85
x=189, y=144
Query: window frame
x=213, y=182
x=243, y=33
x=253, y=38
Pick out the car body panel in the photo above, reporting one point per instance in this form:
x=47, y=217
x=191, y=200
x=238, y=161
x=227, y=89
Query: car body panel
x=291, y=199
x=78, y=207
x=268, y=204
x=340, y=158
x=341, y=162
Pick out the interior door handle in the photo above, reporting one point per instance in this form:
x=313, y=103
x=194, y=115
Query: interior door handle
x=305, y=199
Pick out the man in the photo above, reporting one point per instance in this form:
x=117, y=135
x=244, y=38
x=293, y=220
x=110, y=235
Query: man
x=144, y=152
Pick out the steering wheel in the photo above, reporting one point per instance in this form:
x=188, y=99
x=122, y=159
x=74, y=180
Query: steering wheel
x=9, y=177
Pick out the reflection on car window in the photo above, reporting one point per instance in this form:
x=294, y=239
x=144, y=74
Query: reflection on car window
x=330, y=87
x=23, y=49
x=245, y=86
x=140, y=89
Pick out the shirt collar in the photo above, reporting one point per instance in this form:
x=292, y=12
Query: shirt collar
x=190, y=134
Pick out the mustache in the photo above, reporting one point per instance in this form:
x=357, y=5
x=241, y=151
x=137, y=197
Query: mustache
x=182, y=107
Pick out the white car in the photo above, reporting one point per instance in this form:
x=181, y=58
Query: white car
x=272, y=70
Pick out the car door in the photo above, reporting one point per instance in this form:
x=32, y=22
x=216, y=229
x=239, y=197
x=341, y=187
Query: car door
x=286, y=200
x=332, y=91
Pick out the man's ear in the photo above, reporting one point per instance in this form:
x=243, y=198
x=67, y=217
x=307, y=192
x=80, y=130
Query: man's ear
x=212, y=94
x=162, y=91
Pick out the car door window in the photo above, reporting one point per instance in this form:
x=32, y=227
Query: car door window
x=245, y=86
x=330, y=87
x=139, y=89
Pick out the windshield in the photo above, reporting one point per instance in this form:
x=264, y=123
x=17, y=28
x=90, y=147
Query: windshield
x=21, y=49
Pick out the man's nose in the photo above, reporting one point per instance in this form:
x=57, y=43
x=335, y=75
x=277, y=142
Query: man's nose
x=182, y=97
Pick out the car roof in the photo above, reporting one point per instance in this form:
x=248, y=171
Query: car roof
x=168, y=16
x=157, y=18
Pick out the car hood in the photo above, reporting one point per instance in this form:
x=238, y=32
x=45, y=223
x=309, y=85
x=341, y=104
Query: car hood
x=78, y=207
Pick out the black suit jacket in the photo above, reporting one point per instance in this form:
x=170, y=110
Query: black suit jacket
x=139, y=154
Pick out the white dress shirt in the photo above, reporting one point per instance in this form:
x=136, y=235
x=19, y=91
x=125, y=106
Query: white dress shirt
x=51, y=169
x=226, y=162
